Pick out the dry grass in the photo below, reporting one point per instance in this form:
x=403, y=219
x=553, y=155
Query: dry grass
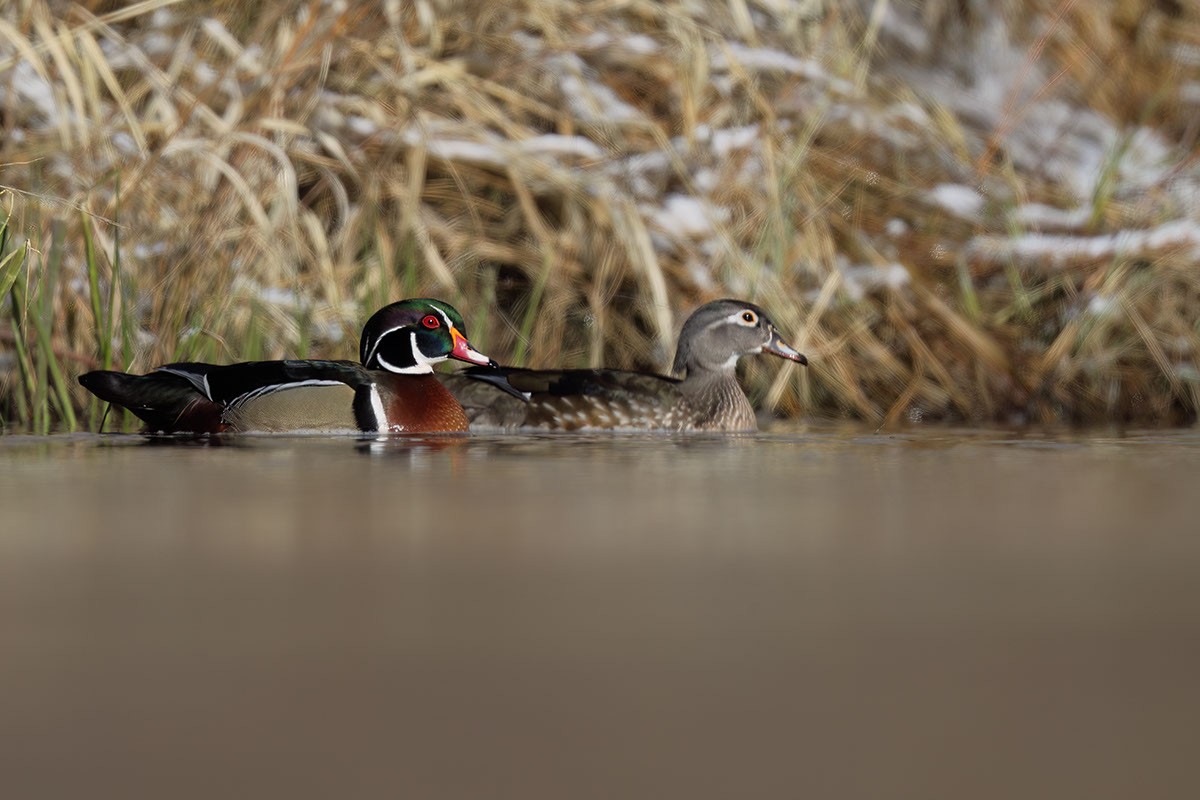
x=575, y=176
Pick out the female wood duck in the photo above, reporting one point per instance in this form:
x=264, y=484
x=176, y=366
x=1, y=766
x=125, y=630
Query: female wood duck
x=707, y=397
x=393, y=390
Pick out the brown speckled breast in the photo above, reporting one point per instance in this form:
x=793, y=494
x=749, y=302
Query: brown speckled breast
x=719, y=404
x=419, y=403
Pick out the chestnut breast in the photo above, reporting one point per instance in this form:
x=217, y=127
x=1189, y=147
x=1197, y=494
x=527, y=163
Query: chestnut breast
x=418, y=403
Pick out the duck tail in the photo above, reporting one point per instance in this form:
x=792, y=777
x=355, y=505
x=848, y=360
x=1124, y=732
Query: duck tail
x=166, y=402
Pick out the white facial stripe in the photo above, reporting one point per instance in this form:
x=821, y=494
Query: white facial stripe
x=376, y=343
x=423, y=361
x=445, y=317
x=415, y=369
x=420, y=357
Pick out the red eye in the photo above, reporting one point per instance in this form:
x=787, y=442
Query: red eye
x=431, y=322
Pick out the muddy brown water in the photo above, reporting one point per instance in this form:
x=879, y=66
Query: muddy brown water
x=817, y=613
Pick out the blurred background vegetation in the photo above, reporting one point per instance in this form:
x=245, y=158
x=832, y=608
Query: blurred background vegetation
x=969, y=211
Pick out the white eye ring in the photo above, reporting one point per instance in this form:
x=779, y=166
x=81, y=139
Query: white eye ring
x=748, y=318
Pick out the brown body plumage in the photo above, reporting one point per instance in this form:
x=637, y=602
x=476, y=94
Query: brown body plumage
x=707, y=398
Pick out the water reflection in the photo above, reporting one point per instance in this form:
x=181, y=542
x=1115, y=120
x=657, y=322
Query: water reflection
x=826, y=611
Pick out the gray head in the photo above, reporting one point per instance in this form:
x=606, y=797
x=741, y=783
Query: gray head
x=717, y=334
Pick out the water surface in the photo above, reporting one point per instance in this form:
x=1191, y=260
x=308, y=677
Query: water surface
x=824, y=613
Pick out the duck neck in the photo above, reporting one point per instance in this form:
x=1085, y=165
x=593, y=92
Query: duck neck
x=719, y=398
x=698, y=375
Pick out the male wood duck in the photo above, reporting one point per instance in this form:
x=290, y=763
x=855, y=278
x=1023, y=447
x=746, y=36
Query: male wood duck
x=393, y=390
x=707, y=397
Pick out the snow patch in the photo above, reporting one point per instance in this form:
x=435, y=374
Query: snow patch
x=1188, y=54
x=861, y=280
x=283, y=298
x=683, y=215
x=1041, y=216
x=961, y=201
x=124, y=143
x=1051, y=251
x=760, y=59
x=361, y=125
x=1103, y=306
x=634, y=44
x=203, y=72
x=557, y=144
x=724, y=141
x=588, y=99
x=144, y=250
x=488, y=155
x=909, y=112
x=33, y=88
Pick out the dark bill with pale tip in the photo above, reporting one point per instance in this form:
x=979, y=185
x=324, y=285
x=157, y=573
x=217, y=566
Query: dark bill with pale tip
x=777, y=346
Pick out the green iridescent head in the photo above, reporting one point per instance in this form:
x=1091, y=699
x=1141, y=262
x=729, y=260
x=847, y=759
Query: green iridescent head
x=410, y=336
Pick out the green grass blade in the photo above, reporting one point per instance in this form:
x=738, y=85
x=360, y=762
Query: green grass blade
x=103, y=341
x=26, y=394
x=114, y=287
x=10, y=267
x=61, y=395
x=50, y=385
